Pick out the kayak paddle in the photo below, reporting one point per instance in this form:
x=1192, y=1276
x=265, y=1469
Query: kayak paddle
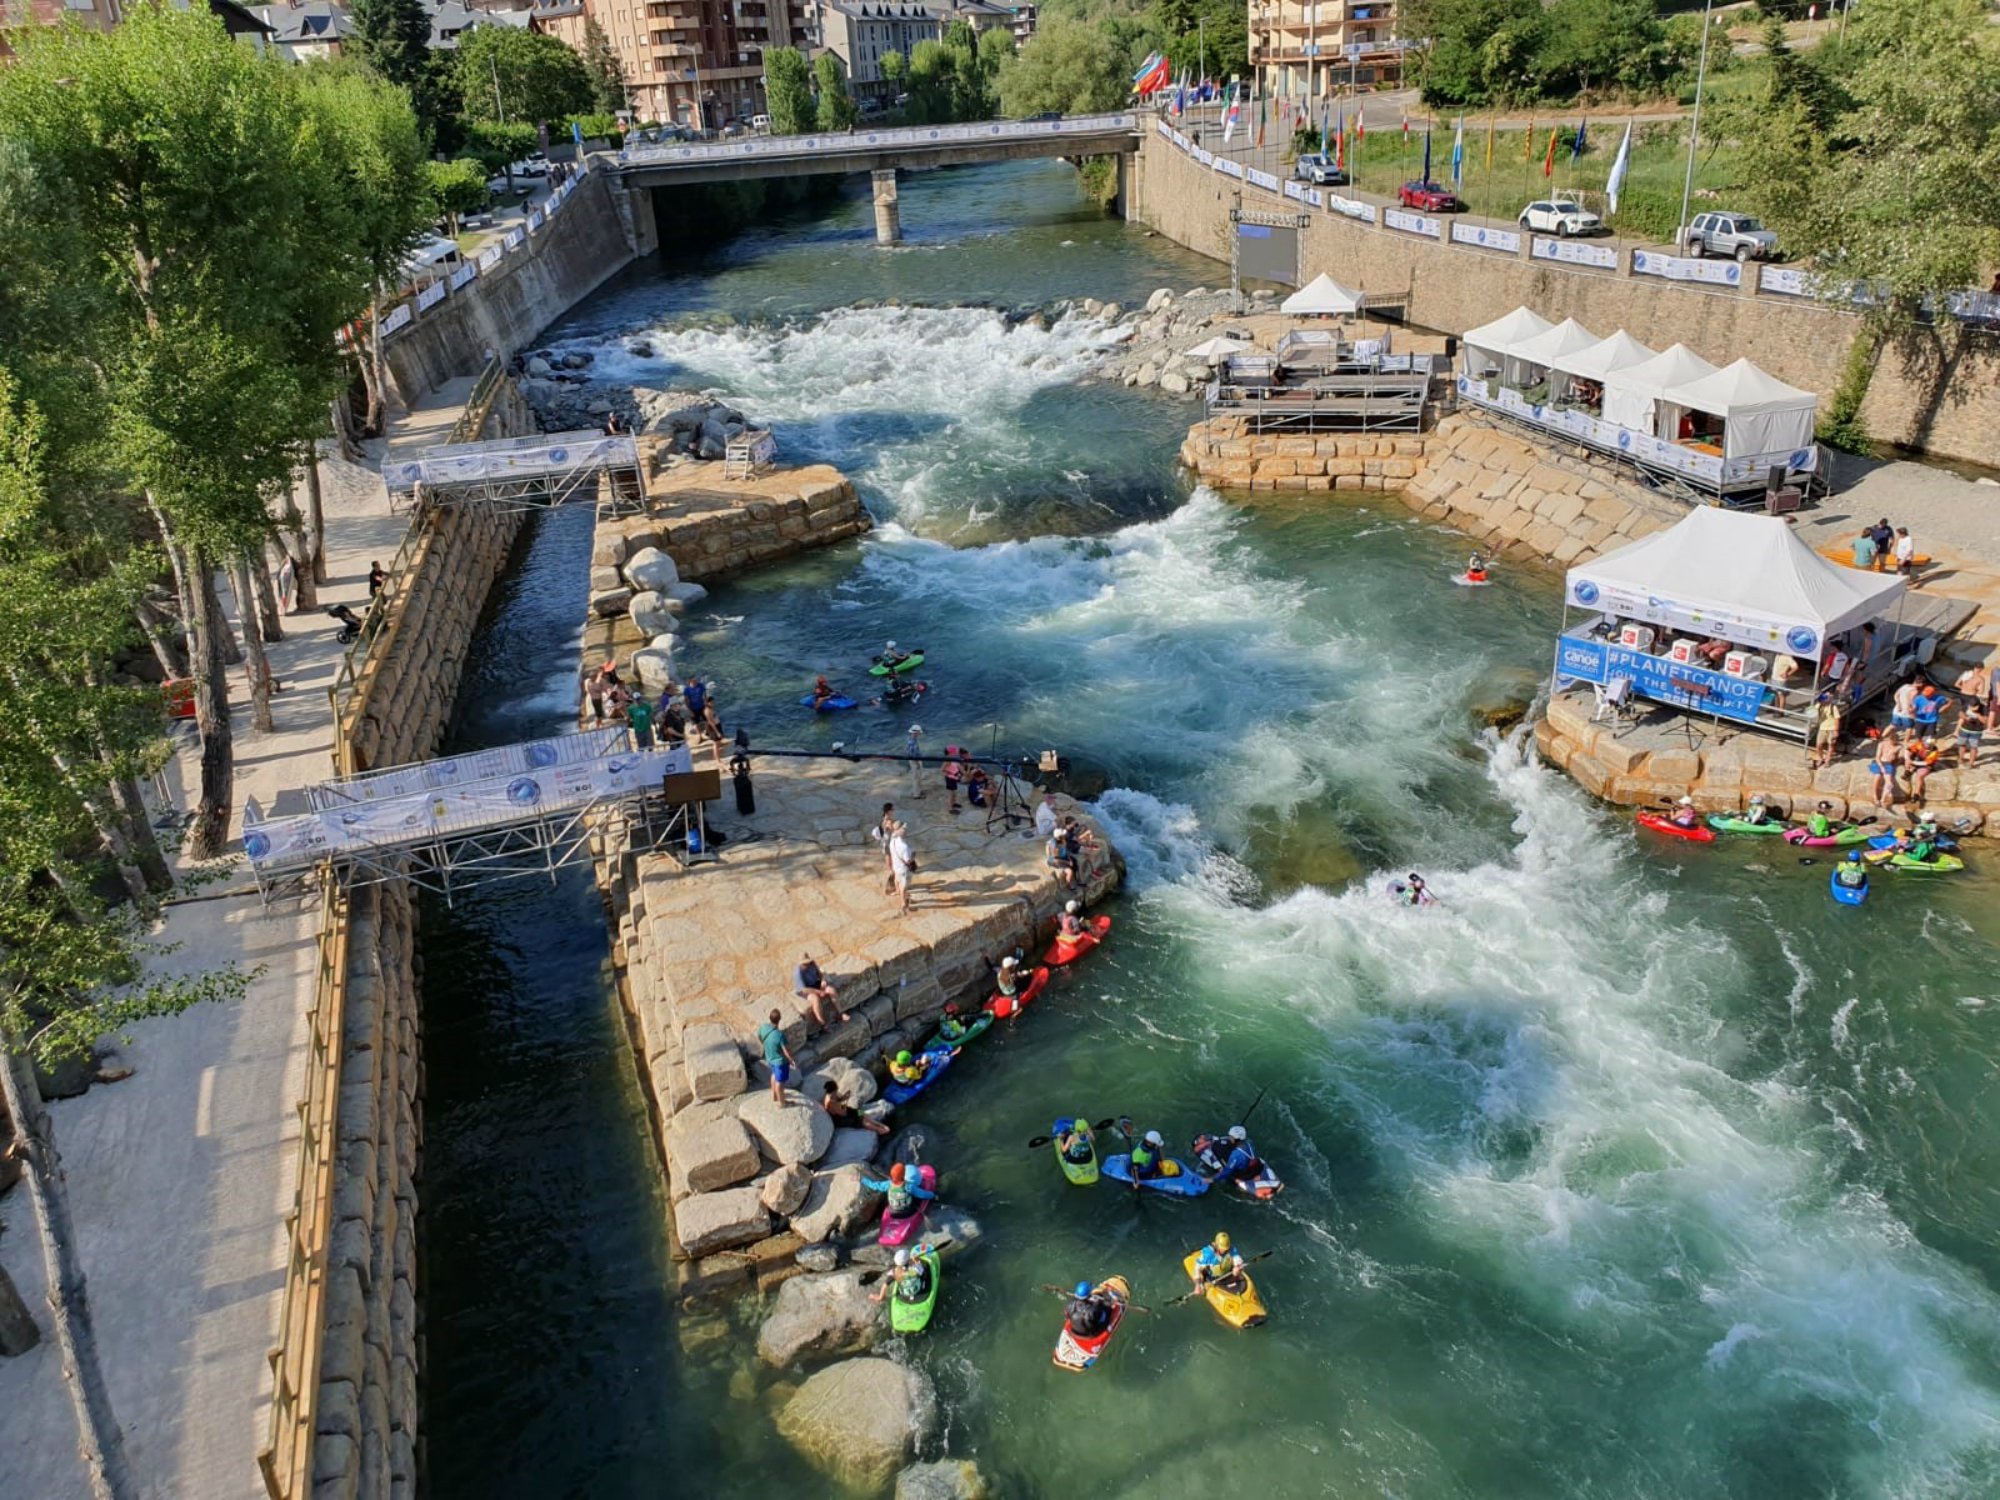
x=1198, y=1291
x=1244, y=1118
x=1063, y=1291
x=1042, y=1140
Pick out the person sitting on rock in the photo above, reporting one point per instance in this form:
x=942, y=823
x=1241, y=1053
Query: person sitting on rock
x=906, y=1194
x=812, y=986
x=846, y=1115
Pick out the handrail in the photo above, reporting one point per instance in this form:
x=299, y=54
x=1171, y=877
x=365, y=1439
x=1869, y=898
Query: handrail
x=844, y=143
x=286, y=1457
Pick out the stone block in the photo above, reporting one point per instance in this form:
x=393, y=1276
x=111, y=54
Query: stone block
x=713, y=1275
x=786, y=1188
x=608, y=602
x=1682, y=766
x=1590, y=773
x=822, y=1317
x=850, y=1148
x=837, y=1203
x=1562, y=510
x=714, y=1062
x=1276, y=468
x=708, y=1222
x=794, y=1131
x=704, y=1154
x=604, y=579
x=920, y=997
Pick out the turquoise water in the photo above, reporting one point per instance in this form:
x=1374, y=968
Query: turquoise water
x=1626, y=1171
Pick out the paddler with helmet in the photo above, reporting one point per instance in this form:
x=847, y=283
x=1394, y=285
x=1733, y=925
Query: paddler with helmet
x=1089, y=1312
x=1242, y=1164
x=1475, y=569
x=1820, y=825
x=1147, y=1154
x=1075, y=1143
x=950, y=1027
x=1218, y=1265
x=1069, y=925
x=1851, y=873
x=908, y=1069
x=904, y=1190
x=909, y=1278
x=1683, y=815
x=1759, y=811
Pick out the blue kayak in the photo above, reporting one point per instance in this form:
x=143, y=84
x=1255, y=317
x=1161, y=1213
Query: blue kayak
x=903, y=1093
x=1943, y=841
x=1186, y=1183
x=832, y=705
x=1846, y=895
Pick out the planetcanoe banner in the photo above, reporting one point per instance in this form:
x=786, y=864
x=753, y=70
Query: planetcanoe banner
x=1660, y=678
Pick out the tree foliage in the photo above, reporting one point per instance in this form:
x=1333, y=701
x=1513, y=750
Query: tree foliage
x=520, y=75
x=394, y=38
x=1065, y=66
x=1501, y=52
x=498, y=144
x=606, y=72
x=787, y=91
x=953, y=79
x=836, y=105
x=457, y=188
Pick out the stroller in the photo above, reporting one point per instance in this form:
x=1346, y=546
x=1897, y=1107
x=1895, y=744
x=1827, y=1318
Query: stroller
x=350, y=624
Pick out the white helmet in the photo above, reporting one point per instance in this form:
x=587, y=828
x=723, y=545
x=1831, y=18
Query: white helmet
x=890, y=647
x=902, y=1257
x=1153, y=1138
x=1238, y=1133
x=1073, y=907
x=1009, y=961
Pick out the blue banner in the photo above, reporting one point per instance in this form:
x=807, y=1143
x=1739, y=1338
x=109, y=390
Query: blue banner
x=1661, y=678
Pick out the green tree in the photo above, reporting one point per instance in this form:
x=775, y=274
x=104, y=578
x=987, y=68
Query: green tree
x=895, y=70
x=1065, y=66
x=498, y=144
x=787, y=91
x=457, y=188
x=607, y=74
x=505, y=73
x=836, y=105
x=394, y=38
x=933, y=84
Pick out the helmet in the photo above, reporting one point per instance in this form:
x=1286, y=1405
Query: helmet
x=902, y=1257
x=1083, y=1289
x=1686, y=802
x=897, y=1173
x=904, y=1057
x=951, y=1007
x=1153, y=1138
x=1238, y=1133
x=1009, y=962
x=890, y=647
x=1854, y=856
x=1073, y=907
x=1825, y=806
x=1756, y=796
x=1222, y=1242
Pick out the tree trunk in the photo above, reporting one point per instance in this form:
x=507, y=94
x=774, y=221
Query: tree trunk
x=139, y=831
x=178, y=560
x=315, y=513
x=371, y=372
x=342, y=412
x=269, y=625
x=209, y=828
x=259, y=668
x=100, y=1443
x=165, y=652
x=295, y=543
x=18, y=1333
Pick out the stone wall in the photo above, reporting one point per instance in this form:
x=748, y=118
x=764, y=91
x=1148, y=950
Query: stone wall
x=1455, y=287
x=1223, y=451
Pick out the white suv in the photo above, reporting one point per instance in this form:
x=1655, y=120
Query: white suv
x=1730, y=234
x=1561, y=216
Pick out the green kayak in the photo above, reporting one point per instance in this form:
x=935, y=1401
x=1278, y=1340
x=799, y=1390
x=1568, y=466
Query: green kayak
x=908, y=663
x=1080, y=1173
x=1723, y=823
x=942, y=1038
x=1937, y=864
x=907, y=1315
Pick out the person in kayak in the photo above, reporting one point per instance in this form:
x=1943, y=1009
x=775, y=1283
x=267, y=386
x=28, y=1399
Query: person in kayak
x=844, y=1114
x=891, y=657
x=823, y=692
x=1475, y=569
x=907, y=1070
x=1075, y=1143
x=901, y=690
x=1851, y=873
x=1758, y=812
x=1069, y=926
x=1415, y=892
x=905, y=1193
x=1242, y=1164
x=1218, y=1265
x=1007, y=978
x=1683, y=815
x=1819, y=825
x=1146, y=1156
x=909, y=1278
x=1089, y=1313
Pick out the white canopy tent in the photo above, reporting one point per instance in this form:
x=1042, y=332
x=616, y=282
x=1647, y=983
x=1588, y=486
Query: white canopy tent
x=1618, y=352
x=1760, y=413
x=1322, y=297
x=1629, y=394
x=1745, y=578
x=1535, y=356
x=1489, y=347
x=1215, y=348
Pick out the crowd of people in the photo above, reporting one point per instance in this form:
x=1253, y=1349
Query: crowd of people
x=679, y=715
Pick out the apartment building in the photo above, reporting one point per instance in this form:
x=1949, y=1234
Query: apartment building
x=862, y=32
x=1302, y=49
x=698, y=63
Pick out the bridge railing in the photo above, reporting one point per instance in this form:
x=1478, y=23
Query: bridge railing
x=848, y=142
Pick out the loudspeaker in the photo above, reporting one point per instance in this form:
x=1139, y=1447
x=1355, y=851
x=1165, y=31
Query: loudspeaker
x=1451, y=346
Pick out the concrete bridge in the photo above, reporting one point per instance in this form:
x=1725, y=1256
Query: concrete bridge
x=879, y=152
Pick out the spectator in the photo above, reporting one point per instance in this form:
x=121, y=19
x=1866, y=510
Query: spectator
x=1926, y=708
x=884, y=828
x=1972, y=722
x=1864, y=549
x=1882, y=770
x=1906, y=555
x=1045, y=816
x=377, y=577
x=598, y=687
x=1884, y=537
x=902, y=865
x=813, y=987
x=777, y=1056
x=1826, y=732
x=1920, y=758
x=845, y=1114
x=1903, y=707
x=1061, y=860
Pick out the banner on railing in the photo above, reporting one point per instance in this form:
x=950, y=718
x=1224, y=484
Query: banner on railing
x=513, y=239
x=430, y=296
x=1409, y=223
x=1686, y=268
x=1229, y=168
x=462, y=275
x=534, y=220
x=397, y=318
x=1266, y=180
x=1206, y=158
x=1483, y=237
x=1571, y=252
x=490, y=257
x=1295, y=190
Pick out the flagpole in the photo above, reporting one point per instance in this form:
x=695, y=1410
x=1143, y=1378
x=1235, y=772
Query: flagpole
x=1694, y=128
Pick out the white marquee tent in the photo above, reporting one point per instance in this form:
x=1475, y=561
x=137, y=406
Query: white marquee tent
x=1746, y=578
x=1629, y=393
x=1760, y=413
x=1489, y=348
x=1618, y=352
x=1536, y=355
x=1322, y=297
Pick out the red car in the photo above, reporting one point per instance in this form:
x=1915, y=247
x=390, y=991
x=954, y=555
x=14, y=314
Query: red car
x=1429, y=197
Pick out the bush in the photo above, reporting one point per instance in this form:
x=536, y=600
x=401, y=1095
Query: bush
x=1648, y=213
x=597, y=128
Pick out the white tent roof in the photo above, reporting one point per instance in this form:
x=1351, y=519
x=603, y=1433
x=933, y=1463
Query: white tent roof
x=1216, y=347
x=1747, y=577
x=1760, y=413
x=1601, y=358
x=1502, y=334
x=1549, y=347
x=1629, y=393
x=1322, y=295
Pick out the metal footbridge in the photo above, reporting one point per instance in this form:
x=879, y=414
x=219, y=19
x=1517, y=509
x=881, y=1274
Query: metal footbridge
x=536, y=472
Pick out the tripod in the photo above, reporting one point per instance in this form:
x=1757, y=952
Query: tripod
x=1007, y=806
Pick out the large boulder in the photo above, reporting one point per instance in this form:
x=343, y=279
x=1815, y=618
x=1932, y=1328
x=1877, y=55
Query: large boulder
x=654, y=613
x=714, y=1062
x=540, y=368
x=605, y=603
x=915, y=1143
x=850, y=1148
x=708, y=1222
x=707, y=1150
x=1164, y=297
x=1174, y=383
x=822, y=1317
x=860, y=1421
x=952, y=1479
x=794, y=1131
x=685, y=594
x=653, y=664
x=837, y=1204
x=785, y=1189
x=856, y=1084
x=651, y=569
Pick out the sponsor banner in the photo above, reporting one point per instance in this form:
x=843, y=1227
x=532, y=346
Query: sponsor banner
x=1484, y=237
x=457, y=463
x=1409, y=223
x=464, y=274
x=1349, y=208
x=490, y=257
x=513, y=239
x=430, y=296
x=1686, y=268
x=1202, y=156
x=1164, y=128
x=1180, y=140
x=1262, y=179
x=534, y=220
x=281, y=843
x=397, y=318
x=1229, y=168
x=1574, y=252
x=1661, y=678
x=1315, y=197
x=1295, y=190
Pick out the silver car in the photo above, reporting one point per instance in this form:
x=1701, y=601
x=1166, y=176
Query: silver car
x=1730, y=234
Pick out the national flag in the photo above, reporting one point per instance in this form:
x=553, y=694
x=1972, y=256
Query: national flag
x=1263, y=116
x=1528, y=141
x=1406, y=127
x=1458, y=154
x=1576, y=146
x=1340, y=140
x=1360, y=128
x=1232, y=111
x=1549, y=162
x=1619, y=166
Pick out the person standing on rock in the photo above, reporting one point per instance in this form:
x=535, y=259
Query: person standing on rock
x=884, y=828
x=777, y=1056
x=598, y=686
x=902, y=865
x=1906, y=556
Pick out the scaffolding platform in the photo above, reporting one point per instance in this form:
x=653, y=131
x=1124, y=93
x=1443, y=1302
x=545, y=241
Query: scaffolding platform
x=536, y=472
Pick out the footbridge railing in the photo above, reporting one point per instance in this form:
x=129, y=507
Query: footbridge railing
x=896, y=138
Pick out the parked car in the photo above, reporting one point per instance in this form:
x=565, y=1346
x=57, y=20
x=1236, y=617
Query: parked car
x=1560, y=217
x=1429, y=197
x=1737, y=235
x=760, y=122
x=1317, y=168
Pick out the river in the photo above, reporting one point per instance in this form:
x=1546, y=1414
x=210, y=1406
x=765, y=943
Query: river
x=1625, y=1171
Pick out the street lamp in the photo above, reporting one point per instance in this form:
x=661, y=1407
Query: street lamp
x=1694, y=129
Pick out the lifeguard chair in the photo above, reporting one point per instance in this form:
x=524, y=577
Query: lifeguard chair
x=749, y=454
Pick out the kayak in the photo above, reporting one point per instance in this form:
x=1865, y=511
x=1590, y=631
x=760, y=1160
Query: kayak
x=1265, y=1186
x=1239, y=1309
x=895, y=1230
x=1004, y=1006
x=1847, y=895
x=1937, y=864
x=1943, y=841
x=1065, y=950
x=831, y=705
x=1660, y=823
x=1723, y=823
x=903, y=1093
x=910, y=693
x=942, y=1043
x=1466, y=580
x=907, y=1316
x=1854, y=834
x=1176, y=1177
x=909, y=663
x=1073, y=1353
x=1080, y=1173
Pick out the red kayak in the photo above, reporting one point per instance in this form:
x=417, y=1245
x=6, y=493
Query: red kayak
x=1073, y=1353
x=1660, y=823
x=1065, y=950
x=1004, y=1006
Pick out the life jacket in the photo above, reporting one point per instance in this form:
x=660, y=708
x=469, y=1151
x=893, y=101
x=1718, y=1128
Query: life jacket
x=1851, y=876
x=1819, y=826
x=1144, y=1158
x=910, y=1074
x=902, y=1202
x=1079, y=1148
x=1069, y=926
x=915, y=1283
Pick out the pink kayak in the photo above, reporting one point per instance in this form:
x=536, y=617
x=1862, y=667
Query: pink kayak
x=1838, y=839
x=895, y=1230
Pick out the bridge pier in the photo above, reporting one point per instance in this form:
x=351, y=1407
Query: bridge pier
x=888, y=218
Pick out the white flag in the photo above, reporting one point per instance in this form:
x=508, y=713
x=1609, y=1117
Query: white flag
x=1618, y=166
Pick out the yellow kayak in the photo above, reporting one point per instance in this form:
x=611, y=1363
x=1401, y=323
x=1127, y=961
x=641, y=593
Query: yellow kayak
x=1244, y=1309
